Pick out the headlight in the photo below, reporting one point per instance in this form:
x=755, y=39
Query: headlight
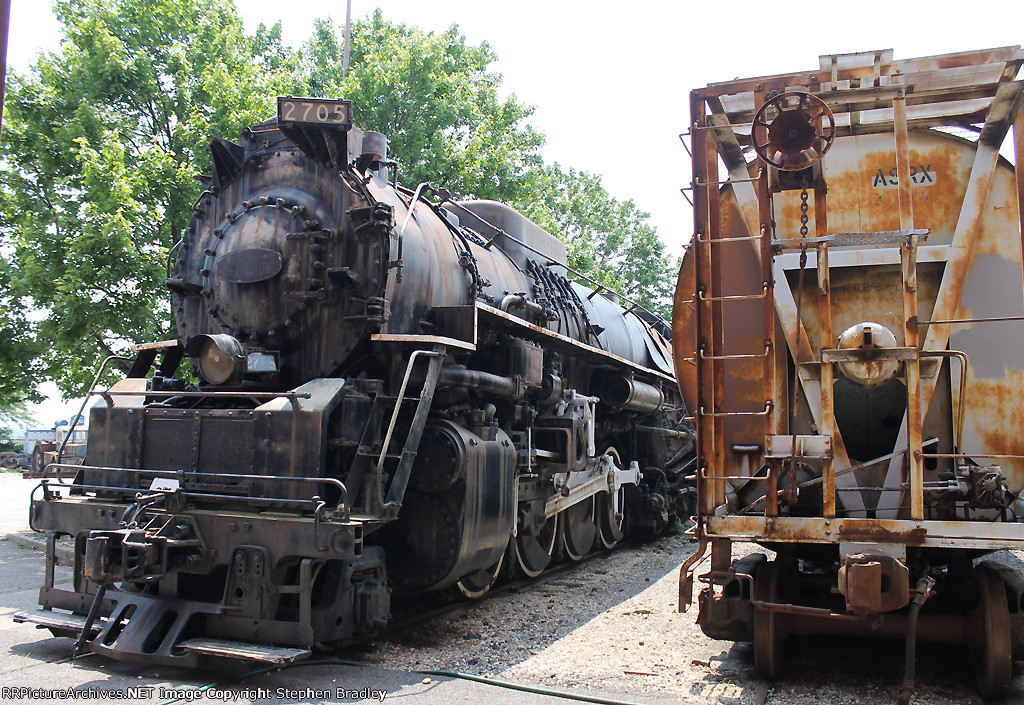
x=220, y=358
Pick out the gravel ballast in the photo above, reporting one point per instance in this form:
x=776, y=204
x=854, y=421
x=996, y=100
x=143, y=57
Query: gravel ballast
x=611, y=626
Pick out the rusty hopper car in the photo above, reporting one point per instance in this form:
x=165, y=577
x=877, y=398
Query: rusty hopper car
x=848, y=329
x=396, y=393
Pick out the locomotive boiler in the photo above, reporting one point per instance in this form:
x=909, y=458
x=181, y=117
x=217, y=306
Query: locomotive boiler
x=848, y=329
x=396, y=392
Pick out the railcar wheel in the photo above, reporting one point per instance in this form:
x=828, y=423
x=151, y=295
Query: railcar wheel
x=989, y=640
x=769, y=628
x=579, y=529
x=534, y=553
x=477, y=584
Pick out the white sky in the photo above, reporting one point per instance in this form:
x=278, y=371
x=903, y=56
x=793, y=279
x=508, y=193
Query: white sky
x=610, y=81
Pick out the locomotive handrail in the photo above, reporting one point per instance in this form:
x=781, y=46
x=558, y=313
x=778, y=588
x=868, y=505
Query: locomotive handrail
x=394, y=415
x=162, y=393
x=81, y=409
x=292, y=397
x=181, y=475
x=412, y=207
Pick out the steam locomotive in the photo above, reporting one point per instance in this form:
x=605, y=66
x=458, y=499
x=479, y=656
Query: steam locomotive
x=395, y=393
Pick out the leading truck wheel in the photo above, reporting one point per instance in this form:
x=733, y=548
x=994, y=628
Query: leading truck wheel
x=769, y=625
x=989, y=636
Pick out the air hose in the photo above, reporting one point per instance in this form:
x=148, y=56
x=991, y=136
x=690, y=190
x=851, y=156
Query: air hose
x=921, y=593
x=446, y=674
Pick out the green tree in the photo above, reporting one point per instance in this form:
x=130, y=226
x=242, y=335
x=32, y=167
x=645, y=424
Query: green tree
x=20, y=368
x=436, y=99
x=7, y=442
x=103, y=142
x=610, y=241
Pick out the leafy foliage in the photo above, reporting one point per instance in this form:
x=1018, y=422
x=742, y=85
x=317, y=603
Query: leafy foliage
x=7, y=441
x=434, y=97
x=609, y=241
x=103, y=143
x=20, y=349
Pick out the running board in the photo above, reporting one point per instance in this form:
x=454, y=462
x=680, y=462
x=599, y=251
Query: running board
x=242, y=650
x=66, y=624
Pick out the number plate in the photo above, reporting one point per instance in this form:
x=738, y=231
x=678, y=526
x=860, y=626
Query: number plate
x=164, y=484
x=323, y=112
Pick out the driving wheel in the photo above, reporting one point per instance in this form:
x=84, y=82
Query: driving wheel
x=534, y=553
x=579, y=529
x=477, y=584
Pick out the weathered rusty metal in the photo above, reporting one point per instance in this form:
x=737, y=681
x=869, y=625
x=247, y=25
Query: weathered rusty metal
x=1018, y=161
x=873, y=583
x=920, y=235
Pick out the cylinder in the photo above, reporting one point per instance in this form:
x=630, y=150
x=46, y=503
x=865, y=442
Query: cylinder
x=631, y=395
x=497, y=385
